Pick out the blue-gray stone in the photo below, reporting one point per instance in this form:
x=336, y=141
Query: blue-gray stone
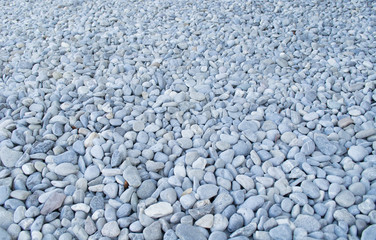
x=42, y=147
x=78, y=147
x=281, y=232
x=66, y=157
x=324, y=145
x=189, y=232
x=97, y=202
x=235, y=222
x=124, y=210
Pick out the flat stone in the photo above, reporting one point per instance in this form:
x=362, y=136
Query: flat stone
x=345, y=198
x=4, y=194
x=365, y=133
x=207, y=191
x=111, y=190
x=91, y=172
x=369, y=233
x=158, y=210
x=132, y=176
x=42, y=147
x=324, y=145
x=281, y=232
x=189, y=232
x=6, y=217
x=138, y=126
x=369, y=174
x=146, y=189
x=54, y=201
x=251, y=126
x=153, y=231
x=310, y=189
x=307, y=222
x=310, y=116
x=79, y=147
x=66, y=169
x=252, y=203
x=9, y=156
x=111, y=229
x=206, y=221
x=97, y=202
x=246, y=231
x=344, y=122
x=97, y=152
x=344, y=215
x=357, y=188
x=357, y=153
x=90, y=226
x=66, y=157
x=4, y=234
x=245, y=181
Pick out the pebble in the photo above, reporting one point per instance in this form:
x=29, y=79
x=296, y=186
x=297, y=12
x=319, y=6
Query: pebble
x=111, y=229
x=132, y=176
x=158, y=210
x=65, y=169
x=282, y=231
x=345, y=198
x=369, y=232
x=307, y=222
x=9, y=157
x=53, y=202
x=207, y=191
x=189, y=232
x=357, y=153
x=167, y=133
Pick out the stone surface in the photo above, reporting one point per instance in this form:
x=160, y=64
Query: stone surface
x=158, y=210
x=53, y=202
x=111, y=229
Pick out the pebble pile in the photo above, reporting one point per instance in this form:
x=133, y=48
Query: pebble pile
x=154, y=119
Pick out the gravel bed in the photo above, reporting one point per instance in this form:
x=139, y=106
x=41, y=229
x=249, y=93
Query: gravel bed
x=187, y=119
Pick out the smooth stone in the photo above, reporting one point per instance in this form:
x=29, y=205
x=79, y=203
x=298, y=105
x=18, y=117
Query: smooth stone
x=207, y=191
x=310, y=116
x=111, y=229
x=153, y=231
x=307, y=222
x=4, y=194
x=324, y=145
x=310, y=189
x=357, y=153
x=245, y=181
x=369, y=233
x=345, y=198
x=282, y=231
x=246, y=231
x=6, y=217
x=97, y=152
x=146, y=189
x=206, y=221
x=53, y=202
x=344, y=122
x=66, y=169
x=78, y=147
x=357, y=188
x=97, y=202
x=4, y=235
x=66, y=157
x=344, y=215
x=9, y=156
x=189, y=232
x=132, y=176
x=111, y=190
x=91, y=172
x=158, y=210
